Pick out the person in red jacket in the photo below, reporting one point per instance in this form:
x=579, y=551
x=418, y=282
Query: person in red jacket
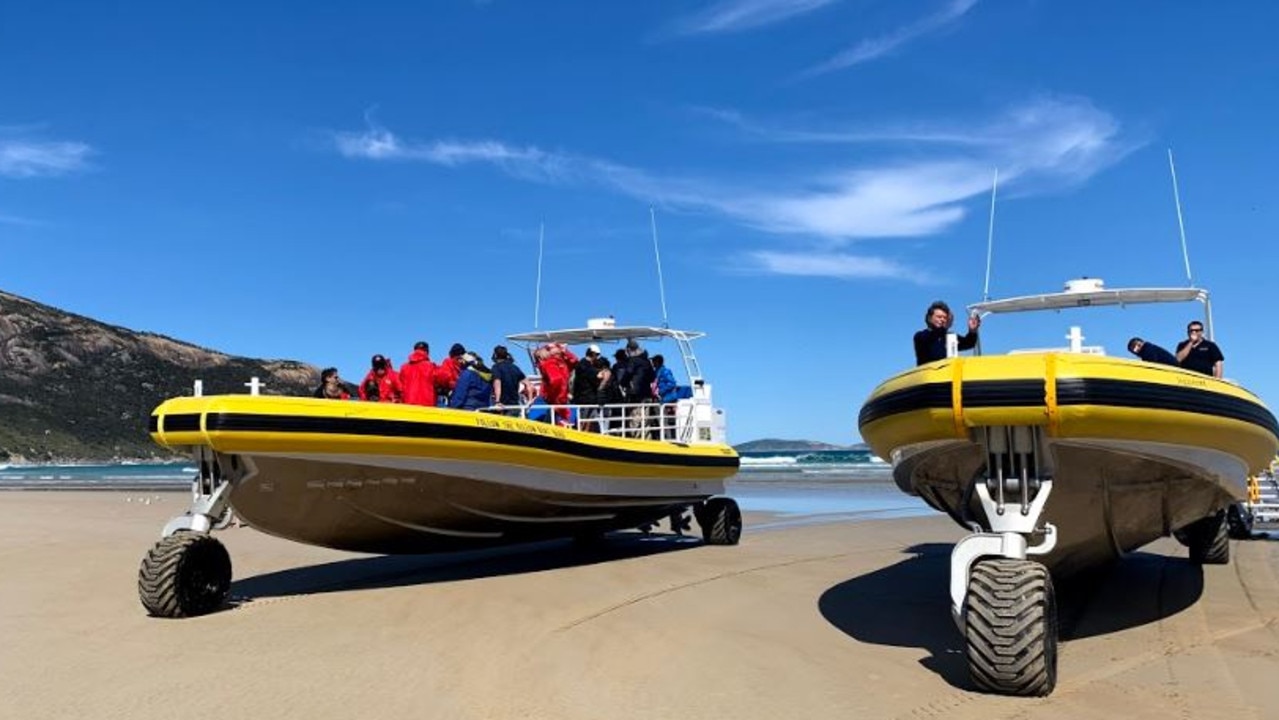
x=417, y=377
x=448, y=371
x=556, y=361
x=382, y=383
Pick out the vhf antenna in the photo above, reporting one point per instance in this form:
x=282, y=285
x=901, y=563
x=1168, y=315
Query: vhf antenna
x=990, y=236
x=537, y=297
x=661, y=285
x=1181, y=225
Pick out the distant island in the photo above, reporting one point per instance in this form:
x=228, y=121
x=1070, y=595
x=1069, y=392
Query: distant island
x=776, y=445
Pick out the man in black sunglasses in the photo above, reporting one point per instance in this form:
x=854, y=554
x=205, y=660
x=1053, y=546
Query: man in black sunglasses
x=1199, y=354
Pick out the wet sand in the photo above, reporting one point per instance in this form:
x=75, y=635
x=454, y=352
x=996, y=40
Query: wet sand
x=804, y=619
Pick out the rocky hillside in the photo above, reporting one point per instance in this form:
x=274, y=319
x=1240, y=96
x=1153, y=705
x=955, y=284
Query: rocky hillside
x=74, y=388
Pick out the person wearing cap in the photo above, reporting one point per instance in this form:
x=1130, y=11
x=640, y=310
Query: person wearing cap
x=474, y=389
x=1151, y=352
x=510, y=385
x=382, y=383
x=417, y=376
x=586, y=389
x=448, y=371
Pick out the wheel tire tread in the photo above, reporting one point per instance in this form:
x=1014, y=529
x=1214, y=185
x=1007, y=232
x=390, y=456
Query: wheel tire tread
x=161, y=574
x=721, y=521
x=1010, y=627
x=1210, y=540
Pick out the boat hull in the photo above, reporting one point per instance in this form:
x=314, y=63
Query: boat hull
x=1135, y=451
x=403, y=479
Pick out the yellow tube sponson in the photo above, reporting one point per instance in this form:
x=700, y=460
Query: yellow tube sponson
x=269, y=424
x=1072, y=396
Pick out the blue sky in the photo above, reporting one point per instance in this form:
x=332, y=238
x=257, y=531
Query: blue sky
x=331, y=182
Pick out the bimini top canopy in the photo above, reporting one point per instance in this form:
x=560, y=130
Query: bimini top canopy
x=1089, y=292
x=605, y=330
x=580, y=336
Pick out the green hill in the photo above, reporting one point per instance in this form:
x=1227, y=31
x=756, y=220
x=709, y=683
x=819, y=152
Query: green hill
x=73, y=388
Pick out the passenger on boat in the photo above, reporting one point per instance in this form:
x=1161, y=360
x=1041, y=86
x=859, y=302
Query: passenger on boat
x=1196, y=353
x=668, y=393
x=667, y=388
x=417, y=376
x=611, y=391
x=1151, y=352
x=930, y=343
x=555, y=361
x=586, y=389
x=474, y=389
x=381, y=384
x=331, y=386
x=510, y=386
x=448, y=371
x=639, y=387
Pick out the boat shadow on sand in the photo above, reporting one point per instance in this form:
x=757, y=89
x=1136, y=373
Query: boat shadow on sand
x=906, y=605
x=387, y=571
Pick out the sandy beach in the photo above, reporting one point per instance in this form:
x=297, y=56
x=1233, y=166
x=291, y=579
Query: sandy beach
x=802, y=620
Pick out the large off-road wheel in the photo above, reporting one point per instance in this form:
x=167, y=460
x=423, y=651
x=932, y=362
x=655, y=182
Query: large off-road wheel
x=1239, y=522
x=1209, y=540
x=721, y=521
x=1010, y=627
x=184, y=575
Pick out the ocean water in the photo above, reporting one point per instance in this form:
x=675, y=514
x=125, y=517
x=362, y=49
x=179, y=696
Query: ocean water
x=820, y=486
x=815, y=465
x=141, y=476
x=797, y=488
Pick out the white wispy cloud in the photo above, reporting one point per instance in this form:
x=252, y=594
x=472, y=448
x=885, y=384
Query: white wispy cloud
x=841, y=266
x=922, y=190
x=736, y=15
x=378, y=143
x=19, y=221
x=24, y=157
x=1069, y=138
x=872, y=48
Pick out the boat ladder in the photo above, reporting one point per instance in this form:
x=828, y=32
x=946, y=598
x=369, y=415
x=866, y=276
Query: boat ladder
x=1263, y=498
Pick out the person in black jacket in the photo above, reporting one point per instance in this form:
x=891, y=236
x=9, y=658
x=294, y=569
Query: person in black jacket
x=611, y=391
x=639, y=386
x=930, y=343
x=1198, y=354
x=586, y=389
x=1151, y=352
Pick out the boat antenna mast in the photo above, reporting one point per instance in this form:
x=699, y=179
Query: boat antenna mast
x=990, y=236
x=1181, y=225
x=537, y=296
x=661, y=284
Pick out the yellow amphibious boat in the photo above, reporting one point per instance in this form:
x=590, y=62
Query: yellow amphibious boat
x=1068, y=456
x=390, y=478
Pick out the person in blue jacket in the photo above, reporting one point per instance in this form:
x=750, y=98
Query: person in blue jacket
x=667, y=388
x=474, y=390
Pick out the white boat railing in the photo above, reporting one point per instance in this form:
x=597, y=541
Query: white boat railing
x=671, y=422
